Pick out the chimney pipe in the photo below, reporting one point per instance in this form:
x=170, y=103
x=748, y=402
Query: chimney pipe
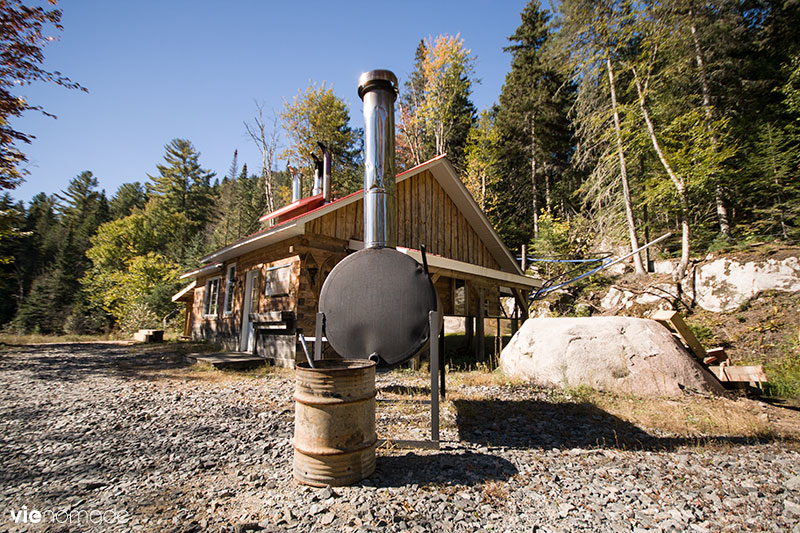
x=326, y=172
x=317, y=188
x=378, y=90
x=295, y=184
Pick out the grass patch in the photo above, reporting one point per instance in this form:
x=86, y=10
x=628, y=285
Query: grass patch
x=460, y=357
x=694, y=416
x=34, y=338
x=784, y=374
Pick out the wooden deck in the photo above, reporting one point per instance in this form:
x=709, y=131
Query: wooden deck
x=229, y=360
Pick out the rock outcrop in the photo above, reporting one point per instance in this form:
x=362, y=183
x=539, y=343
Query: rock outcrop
x=628, y=355
x=718, y=285
x=725, y=284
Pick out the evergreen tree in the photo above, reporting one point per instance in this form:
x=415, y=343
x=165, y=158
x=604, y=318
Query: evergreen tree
x=128, y=197
x=535, y=137
x=184, y=187
x=12, y=220
x=82, y=210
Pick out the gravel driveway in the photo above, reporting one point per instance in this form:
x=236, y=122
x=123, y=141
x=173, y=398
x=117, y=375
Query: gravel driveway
x=120, y=438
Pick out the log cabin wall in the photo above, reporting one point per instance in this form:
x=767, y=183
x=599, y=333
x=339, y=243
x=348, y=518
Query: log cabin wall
x=425, y=215
x=225, y=329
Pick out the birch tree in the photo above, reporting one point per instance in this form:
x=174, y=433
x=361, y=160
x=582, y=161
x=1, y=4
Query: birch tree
x=264, y=133
x=436, y=114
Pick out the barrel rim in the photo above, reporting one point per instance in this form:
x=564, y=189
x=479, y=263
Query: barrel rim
x=336, y=365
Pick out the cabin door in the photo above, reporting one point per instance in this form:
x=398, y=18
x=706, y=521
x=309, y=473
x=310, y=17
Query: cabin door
x=247, y=338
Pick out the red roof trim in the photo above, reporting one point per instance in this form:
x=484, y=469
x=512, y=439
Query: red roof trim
x=291, y=208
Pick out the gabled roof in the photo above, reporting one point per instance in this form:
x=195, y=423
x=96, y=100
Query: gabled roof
x=442, y=171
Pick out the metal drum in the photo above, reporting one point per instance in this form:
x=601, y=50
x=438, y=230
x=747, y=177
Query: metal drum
x=334, y=422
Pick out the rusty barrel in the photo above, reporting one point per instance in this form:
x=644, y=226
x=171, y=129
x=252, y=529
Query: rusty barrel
x=334, y=422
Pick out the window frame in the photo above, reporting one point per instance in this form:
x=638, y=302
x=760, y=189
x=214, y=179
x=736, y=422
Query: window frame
x=207, y=299
x=230, y=284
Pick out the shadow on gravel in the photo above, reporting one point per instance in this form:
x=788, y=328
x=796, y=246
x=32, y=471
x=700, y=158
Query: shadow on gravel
x=465, y=468
x=536, y=424
x=406, y=390
x=78, y=361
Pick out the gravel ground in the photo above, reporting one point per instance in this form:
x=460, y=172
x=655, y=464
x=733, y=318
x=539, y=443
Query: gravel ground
x=135, y=435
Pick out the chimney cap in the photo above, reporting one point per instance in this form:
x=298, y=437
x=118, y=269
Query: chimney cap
x=373, y=78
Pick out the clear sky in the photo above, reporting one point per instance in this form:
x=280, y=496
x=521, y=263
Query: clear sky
x=161, y=69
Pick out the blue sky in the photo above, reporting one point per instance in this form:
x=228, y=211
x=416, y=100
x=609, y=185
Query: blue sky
x=156, y=70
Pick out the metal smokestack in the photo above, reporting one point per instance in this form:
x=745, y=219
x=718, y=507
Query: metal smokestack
x=295, y=184
x=326, y=172
x=378, y=90
x=317, y=189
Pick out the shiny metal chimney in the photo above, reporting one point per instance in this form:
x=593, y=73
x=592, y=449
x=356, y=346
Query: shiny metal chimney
x=295, y=184
x=326, y=172
x=378, y=90
x=317, y=188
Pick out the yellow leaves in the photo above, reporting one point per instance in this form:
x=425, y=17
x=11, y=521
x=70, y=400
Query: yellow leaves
x=315, y=114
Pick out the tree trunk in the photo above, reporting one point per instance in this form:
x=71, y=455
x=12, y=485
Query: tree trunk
x=678, y=181
x=547, y=193
x=534, y=184
x=719, y=199
x=623, y=170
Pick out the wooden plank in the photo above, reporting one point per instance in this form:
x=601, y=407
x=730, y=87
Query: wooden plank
x=358, y=221
x=407, y=232
x=345, y=222
x=425, y=209
x=447, y=229
x=673, y=318
x=352, y=216
x=415, y=208
x=434, y=217
x=440, y=228
x=401, y=213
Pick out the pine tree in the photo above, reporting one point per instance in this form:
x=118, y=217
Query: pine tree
x=535, y=138
x=128, y=197
x=182, y=185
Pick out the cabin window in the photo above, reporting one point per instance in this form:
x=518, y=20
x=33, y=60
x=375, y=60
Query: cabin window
x=211, y=297
x=230, y=283
x=278, y=281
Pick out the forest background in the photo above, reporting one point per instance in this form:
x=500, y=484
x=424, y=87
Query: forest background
x=617, y=122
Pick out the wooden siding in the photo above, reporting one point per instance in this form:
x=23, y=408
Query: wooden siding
x=425, y=215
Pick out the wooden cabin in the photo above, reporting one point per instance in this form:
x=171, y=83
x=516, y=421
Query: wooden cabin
x=256, y=294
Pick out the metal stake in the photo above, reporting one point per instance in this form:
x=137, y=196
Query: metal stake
x=433, y=317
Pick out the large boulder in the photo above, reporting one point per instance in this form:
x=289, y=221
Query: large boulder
x=628, y=355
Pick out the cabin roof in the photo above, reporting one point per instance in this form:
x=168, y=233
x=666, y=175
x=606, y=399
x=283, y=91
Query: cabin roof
x=439, y=167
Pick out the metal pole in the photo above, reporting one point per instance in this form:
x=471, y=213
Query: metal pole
x=318, y=336
x=442, y=364
x=433, y=321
